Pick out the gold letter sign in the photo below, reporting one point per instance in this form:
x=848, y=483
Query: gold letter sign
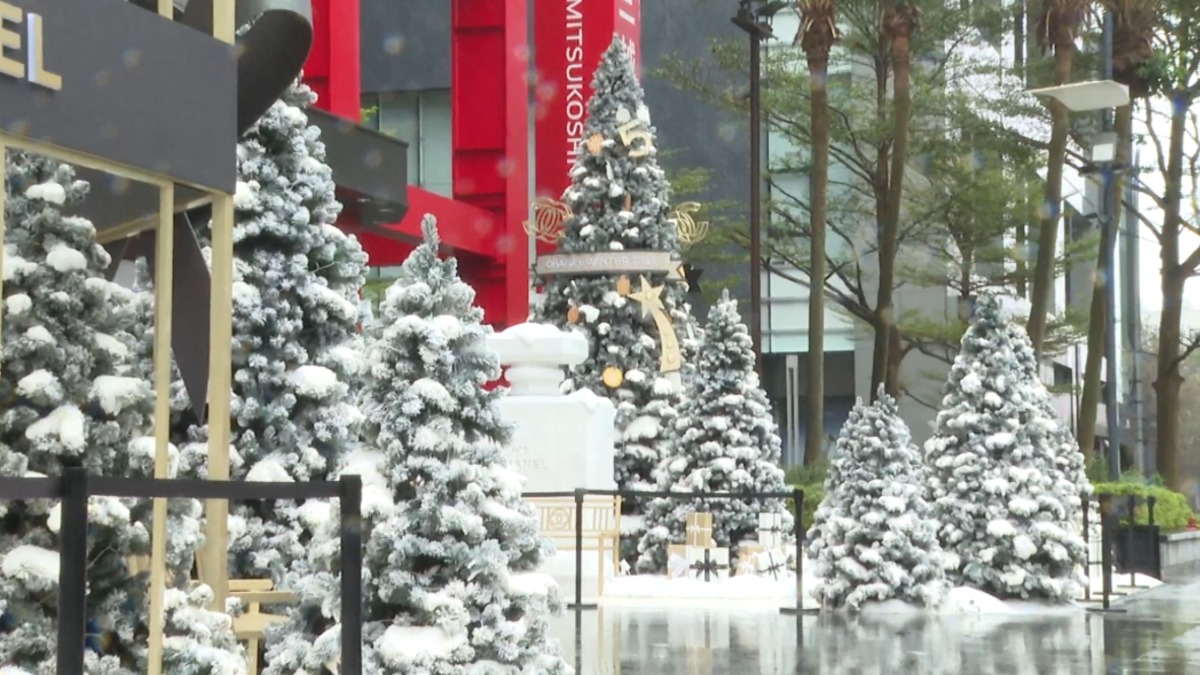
x=34, y=66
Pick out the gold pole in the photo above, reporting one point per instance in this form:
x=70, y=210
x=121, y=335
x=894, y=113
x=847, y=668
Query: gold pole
x=220, y=377
x=3, y=207
x=219, y=389
x=166, y=8
x=164, y=280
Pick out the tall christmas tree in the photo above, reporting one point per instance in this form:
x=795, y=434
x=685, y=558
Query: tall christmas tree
x=450, y=581
x=727, y=443
x=620, y=202
x=67, y=402
x=873, y=535
x=295, y=322
x=1005, y=475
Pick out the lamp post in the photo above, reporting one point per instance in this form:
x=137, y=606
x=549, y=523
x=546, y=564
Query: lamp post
x=1106, y=95
x=754, y=22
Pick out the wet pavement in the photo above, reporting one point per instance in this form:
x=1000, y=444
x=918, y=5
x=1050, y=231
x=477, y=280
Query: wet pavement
x=1157, y=632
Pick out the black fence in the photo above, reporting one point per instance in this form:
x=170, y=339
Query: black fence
x=1125, y=546
x=796, y=495
x=74, y=488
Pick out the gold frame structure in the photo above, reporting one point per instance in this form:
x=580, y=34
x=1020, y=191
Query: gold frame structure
x=221, y=328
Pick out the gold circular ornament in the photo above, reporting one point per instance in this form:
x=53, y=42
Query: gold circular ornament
x=573, y=315
x=595, y=143
x=613, y=377
x=624, y=286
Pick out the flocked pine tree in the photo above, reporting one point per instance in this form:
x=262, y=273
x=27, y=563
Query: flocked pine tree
x=727, y=443
x=873, y=536
x=619, y=198
x=1006, y=477
x=75, y=379
x=295, y=323
x=450, y=584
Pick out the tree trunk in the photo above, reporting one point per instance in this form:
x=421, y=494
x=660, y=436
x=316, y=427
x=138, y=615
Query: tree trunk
x=901, y=21
x=1043, y=272
x=1089, y=398
x=814, y=442
x=880, y=190
x=1174, y=275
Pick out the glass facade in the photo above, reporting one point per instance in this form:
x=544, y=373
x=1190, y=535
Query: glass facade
x=421, y=119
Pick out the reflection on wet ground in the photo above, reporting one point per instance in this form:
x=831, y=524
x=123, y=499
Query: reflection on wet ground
x=1158, y=632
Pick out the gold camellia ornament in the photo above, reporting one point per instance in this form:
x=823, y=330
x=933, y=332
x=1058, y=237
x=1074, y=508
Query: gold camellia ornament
x=595, y=143
x=613, y=377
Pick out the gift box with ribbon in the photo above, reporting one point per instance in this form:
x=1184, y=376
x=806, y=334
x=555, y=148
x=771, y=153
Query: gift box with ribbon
x=708, y=563
x=699, y=529
x=747, y=552
x=770, y=530
x=677, y=561
x=770, y=563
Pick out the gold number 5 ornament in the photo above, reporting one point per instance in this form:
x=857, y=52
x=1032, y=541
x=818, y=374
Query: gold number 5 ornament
x=630, y=132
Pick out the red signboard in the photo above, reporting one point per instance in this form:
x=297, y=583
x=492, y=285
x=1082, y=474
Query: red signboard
x=569, y=38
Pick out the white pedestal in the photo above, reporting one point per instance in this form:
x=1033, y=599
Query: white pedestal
x=562, y=442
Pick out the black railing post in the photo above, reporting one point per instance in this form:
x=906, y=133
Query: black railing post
x=1106, y=546
x=72, y=572
x=1150, y=502
x=1129, y=559
x=579, y=550
x=1087, y=546
x=798, y=531
x=352, y=560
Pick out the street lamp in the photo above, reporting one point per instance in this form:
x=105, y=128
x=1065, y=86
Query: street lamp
x=754, y=20
x=1106, y=95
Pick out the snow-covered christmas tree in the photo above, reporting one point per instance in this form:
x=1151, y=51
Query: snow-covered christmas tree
x=295, y=343
x=67, y=402
x=1005, y=475
x=620, y=202
x=727, y=442
x=873, y=536
x=451, y=548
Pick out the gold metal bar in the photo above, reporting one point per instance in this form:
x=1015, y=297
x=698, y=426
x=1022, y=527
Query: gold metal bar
x=83, y=159
x=164, y=280
x=128, y=229
x=220, y=385
x=166, y=8
x=3, y=207
x=224, y=25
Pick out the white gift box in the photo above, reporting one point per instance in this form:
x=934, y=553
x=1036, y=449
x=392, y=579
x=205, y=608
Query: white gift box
x=708, y=564
x=770, y=521
x=771, y=563
x=770, y=539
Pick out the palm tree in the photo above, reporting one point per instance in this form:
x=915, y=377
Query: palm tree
x=1134, y=22
x=1057, y=27
x=818, y=32
x=899, y=22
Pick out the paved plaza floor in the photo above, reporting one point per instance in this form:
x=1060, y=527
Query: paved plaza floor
x=1158, y=631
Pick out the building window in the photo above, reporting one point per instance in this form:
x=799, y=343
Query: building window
x=421, y=119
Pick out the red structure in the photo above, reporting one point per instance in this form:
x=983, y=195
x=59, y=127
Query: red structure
x=490, y=52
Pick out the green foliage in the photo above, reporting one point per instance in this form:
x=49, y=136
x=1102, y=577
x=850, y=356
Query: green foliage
x=1171, y=510
x=810, y=479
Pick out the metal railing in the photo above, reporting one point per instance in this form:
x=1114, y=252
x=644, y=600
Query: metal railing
x=797, y=495
x=74, y=488
x=1112, y=532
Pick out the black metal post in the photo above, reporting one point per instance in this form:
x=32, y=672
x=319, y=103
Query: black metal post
x=798, y=531
x=352, y=560
x=579, y=550
x=72, y=572
x=1150, y=502
x=758, y=30
x=1106, y=547
x=1132, y=502
x=1087, y=545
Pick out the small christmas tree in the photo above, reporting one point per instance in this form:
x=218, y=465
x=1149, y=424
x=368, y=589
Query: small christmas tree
x=450, y=581
x=67, y=402
x=727, y=443
x=873, y=536
x=295, y=334
x=1006, y=477
x=199, y=641
x=620, y=201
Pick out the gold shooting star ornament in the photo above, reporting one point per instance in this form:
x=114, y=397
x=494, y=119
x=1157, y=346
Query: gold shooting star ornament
x=650, y=298
x=549, y=220
x=688, y=230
